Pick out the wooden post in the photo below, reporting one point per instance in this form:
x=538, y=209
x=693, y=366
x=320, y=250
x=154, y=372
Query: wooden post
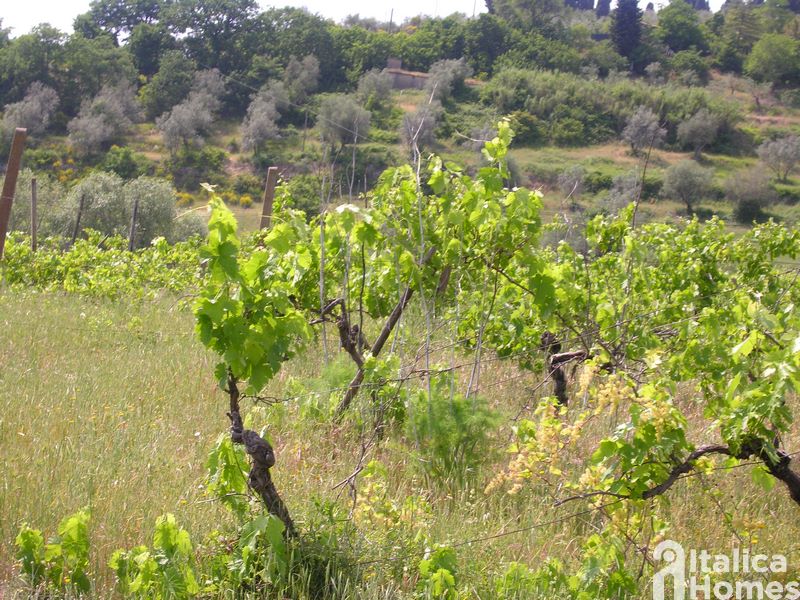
x=269, y=196
x=10, y=184
x=132, y=236
x=34, y=220
x=77, y=229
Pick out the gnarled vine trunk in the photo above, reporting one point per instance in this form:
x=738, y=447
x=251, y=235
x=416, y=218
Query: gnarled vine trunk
x=262, y=459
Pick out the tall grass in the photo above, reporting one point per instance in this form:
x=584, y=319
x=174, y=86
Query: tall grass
x=112, y=405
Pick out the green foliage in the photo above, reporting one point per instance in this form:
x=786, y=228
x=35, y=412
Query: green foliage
x=227, y=479
x=775, y=58
x=169, y=86
x=245, y=312
x=437, y=574
x=104, y=269
x=679, y=27
x=163, y=572
x=689, y=67
x=62, y=564
x=124, y=162
x=451, y=433
x=626, y=27
x=189, y=166
x=603, y=107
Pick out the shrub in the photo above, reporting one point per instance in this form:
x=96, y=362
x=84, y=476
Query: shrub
x=528, y=130
x=571, y=181
x=189, y=225
x=124, y=162
x=567, y=132
x=450, y=434
x=189, y=167
x=596, y=181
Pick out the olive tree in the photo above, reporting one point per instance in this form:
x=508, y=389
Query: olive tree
x=781, y=155
x=643, y=130
x=260, y=122
x=342, y=121
x=50, y=194
x=418, y=128
x=155, y=211
x=699, y=131
x=445, y=77
x=571, y=181
x=188, y=122
x=96, y=202
x=749, y=192
x=104, y=119
x=301, y=78
x=374, y=89
x=688, y=182
x=34, y=111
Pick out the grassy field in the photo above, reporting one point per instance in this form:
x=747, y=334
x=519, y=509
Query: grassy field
x=113, y=406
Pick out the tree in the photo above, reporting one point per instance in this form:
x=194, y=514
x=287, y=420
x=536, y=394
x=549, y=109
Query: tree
x=342, y=121
x=155, y=213
x=104, y=119
x=485, y=40
x=99, y=196
x=529, y=14
x=626, y=27
x=780, y=156
x=119, y=17
x=688, y=182
x=188, y=122
x=147, y=44
x=571, y=181
x=375, y=90
x=446, y=77
x=679, y=27
x=34, y=56
x=689, y=67
x=169, y=85
x=418, y=128
x=775, y=58
x=301, y=78
x=643, y=130
x=88, y=65
x=749, y=192
x=34, y=111
x=259, y=123
x=212, y=30
x=699, y=131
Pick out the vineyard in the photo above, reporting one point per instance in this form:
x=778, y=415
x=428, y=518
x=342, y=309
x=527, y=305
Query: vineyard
x=432, y=393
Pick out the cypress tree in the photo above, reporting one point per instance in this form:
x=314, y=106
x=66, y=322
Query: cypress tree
x=626, y=27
